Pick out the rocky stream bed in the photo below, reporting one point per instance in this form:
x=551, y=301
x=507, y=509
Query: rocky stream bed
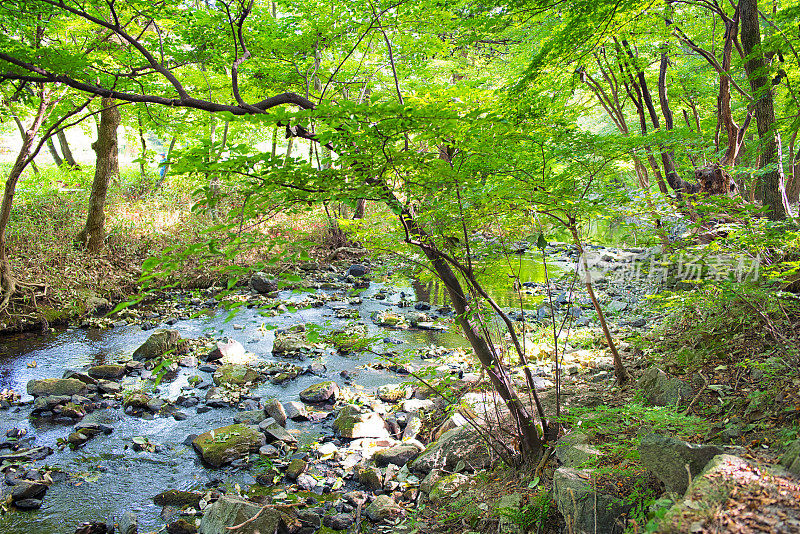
x=297, y=410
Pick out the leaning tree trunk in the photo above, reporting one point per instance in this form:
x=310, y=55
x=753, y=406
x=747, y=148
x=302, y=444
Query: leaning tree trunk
x=54, y=153
x=769, y=189
x=68, y=157
x=24, y=157
x=107, y=167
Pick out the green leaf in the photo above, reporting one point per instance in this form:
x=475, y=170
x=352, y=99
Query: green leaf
x=541, y=242
x=533, y=483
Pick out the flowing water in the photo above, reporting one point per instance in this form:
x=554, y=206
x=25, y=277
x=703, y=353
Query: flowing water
x=107, y=477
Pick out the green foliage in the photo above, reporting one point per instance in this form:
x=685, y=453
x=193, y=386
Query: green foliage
x=613, y=430
x=535, y=511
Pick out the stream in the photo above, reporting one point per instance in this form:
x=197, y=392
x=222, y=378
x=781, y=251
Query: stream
x=106, y=476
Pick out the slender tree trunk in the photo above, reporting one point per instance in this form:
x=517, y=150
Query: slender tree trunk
x=619, y=368
x=164, y=168
x=54, y=153
x=106, y=168
x=143, y=156
x=793, y=183
x=275, y=141
x=68, y=157
x=23, y=132
x=769, y=187
x=24, y=157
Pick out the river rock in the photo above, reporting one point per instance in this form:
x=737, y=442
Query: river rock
x=128, y=523
x=137, y=400
x=157, y=344
x=398, y=455
x=370, y=477
x=382, y=508
x=107, y=372
x=393, y=392
x=27, y=489
x=56, y=387
x=339, y=521
x=320, y=392
x=296, y=411
x=455, y=445
x=291, y=341
x=667, y=458
x=181, y=526
x=273, y=408
x=262, y=282
x=249, y=417
x=581, y=506
x=660, y=389
x=229, y=511
x=275, y=432
x=28, y=504
x=235, y=374
x=296, y=468
x=224, y=445
x=229, y=350
x=357, y=270
x=178, y=498
x=351, y=423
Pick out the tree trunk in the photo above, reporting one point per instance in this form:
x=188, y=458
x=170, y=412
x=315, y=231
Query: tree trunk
x=143, y=156
x=24, y=133
x=769, y=188
x=164, y=168
x=106, y=168
x=68, y=157
x=360, y=205
x=53, y=152
x=24, y=157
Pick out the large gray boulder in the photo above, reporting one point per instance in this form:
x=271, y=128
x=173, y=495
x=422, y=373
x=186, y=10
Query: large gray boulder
x=351, y=423
x=382, y=508
x=107, y=372
x=458, y=444
x=397, y=455
x=230, y=511
x=48, y=387
x=261, y=282
x=321, y=392
x=157, y=344
x=668, y=459
x=224, y=445
x=574, y=450
x=659, y=389
x=585, y=510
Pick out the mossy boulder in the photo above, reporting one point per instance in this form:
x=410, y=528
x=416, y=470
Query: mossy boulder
x=178, y=498
x=235, y=374
x=223, y=445
x=296, y=468
x=56, y=387
x=107, y=372
x=159, y=343
x=397, y=455
x=446, y=485
x=292, y=341
x=321, y=392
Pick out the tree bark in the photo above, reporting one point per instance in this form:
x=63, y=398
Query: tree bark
x=24, y=157
x=54, y=153
x=68, y=157
x=106, y=168
x=768, y=188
